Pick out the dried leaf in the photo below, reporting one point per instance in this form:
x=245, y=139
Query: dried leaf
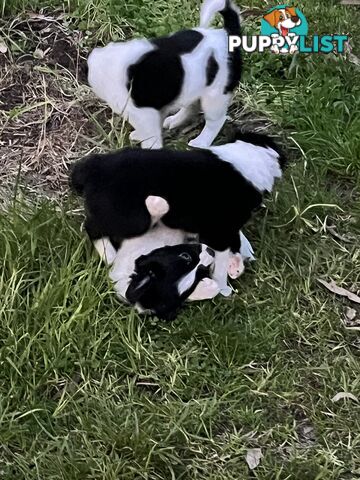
x=332, y=287
x=3, y=47
x=351, y=319
x=39, y=54
x=346, y=395
x=350, y=313
x=253, y=457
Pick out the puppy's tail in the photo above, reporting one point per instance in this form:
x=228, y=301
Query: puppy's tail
x=228, y=11
x=262, y=140
x=256, y=157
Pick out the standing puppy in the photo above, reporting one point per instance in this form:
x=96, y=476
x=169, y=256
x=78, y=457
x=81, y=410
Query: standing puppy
x=210, y=192
x=145, y=80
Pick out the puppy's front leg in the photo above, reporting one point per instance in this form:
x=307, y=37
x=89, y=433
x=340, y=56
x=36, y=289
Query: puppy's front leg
x=174, y=121
x=236, y=266
x=147, y=126
x=221, y=271
x=105, y=249
x=215, y=108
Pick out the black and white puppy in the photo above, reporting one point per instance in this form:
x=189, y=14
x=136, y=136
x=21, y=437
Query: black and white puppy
x=186, y=277
x=161, y=269
x=211, y=192
x=145, y=80
x=167, y=277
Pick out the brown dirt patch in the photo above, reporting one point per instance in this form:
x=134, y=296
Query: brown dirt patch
x=46, y=108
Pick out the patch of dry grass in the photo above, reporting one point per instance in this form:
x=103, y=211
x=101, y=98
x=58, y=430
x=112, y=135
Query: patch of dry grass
x=46, y=108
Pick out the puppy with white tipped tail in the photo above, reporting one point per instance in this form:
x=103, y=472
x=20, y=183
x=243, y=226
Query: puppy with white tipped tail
x=210, y=192
x=146, y=80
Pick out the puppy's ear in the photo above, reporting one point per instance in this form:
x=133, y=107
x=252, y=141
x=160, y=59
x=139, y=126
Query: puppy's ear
x=292, y=11
x=272, y=18
x=138, y=287
x=145, y=277
x=167, y=313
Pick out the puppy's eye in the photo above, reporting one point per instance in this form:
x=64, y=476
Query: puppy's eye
x=185, y=256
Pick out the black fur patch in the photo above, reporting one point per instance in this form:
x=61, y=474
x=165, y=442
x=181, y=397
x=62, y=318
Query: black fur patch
x=212, y=69
x=156, y=79
x=179, y=43
x=115, y=187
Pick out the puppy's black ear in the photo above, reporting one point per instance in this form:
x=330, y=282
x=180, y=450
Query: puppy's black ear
x=146, y=265
x=139, y=285
x=82, y=172
x=167, y=312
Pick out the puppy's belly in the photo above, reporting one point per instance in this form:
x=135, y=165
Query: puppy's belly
x=131, y=249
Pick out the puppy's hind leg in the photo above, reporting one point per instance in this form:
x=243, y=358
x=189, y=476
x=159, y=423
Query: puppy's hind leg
x=147, y=125
x=221, y=271
x=174, y=121
x=215, y=108
x=157, y=207
x=105, y=249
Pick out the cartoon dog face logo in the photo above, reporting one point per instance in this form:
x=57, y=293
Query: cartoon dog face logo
x=283, y=19
x=284, y=24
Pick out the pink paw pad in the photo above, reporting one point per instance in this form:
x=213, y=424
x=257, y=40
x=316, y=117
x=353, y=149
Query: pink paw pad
x=236, y=266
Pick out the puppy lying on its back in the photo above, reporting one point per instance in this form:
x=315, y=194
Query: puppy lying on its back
x=163, y=268
x=185, y=278
x=145, y=80
x=211, y=193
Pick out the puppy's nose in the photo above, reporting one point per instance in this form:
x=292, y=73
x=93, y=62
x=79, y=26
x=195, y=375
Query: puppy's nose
x=210, y=251
x=295, y=18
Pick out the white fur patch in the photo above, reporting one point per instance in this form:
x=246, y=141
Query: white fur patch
x=157, y=206
x=259, y=165
x=246, y=250
x=188, y=280
x=105, y=249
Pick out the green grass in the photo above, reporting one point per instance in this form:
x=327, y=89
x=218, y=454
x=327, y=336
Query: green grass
x=90, y=390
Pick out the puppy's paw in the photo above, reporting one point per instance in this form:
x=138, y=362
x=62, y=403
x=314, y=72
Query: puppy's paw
x=198, y=143
x=171, y=122
x=157, y=206
x=152, y=143
x=293, y=49
x=135, y=136
x=206, y=289
x=236, y=266
x=226, y=291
